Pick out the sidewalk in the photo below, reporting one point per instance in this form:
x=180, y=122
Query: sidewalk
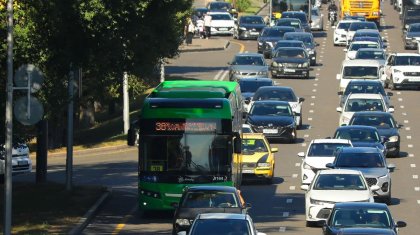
x=212, y=44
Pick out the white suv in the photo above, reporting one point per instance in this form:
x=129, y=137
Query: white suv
x=362, y=102
x=340, y=32
x=402, y=70
x=21, y=163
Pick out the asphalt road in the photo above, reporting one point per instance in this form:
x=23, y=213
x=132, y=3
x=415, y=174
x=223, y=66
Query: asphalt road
x=276, y=208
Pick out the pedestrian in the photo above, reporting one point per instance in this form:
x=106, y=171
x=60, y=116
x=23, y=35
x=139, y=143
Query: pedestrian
x=207, y=25
x=190, y=32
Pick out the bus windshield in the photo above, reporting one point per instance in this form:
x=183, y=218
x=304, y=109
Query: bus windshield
x=188, y=153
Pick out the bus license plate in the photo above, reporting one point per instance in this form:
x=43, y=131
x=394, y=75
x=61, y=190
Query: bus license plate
x=248, y=171
x=156, y=168
x=270, y=131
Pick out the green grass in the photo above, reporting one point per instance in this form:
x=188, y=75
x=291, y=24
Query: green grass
x=48, y=208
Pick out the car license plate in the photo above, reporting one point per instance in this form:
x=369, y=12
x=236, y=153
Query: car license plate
x=248, y=171
x=270, y=131
x=361, y=14
x=22, y=163
x=289, y=70
x=223, y=29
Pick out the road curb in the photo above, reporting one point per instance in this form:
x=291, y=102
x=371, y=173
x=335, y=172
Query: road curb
x=88, y=216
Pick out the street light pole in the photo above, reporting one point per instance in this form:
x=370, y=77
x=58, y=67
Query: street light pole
x=270, y=12
x=9, y=123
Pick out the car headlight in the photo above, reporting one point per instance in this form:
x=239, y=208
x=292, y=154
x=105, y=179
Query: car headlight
x=242, y=28
x=306, y=166
x=270, y=44
x=263, y=164
x=406, y=26
x=262, y=73
x=394, y=138
x=397, y=71
x=275, y=64
x=260, y=43
x=306, y=64
x=183, y=222
x=318, y=202
x=407, y=38
x=375, y=13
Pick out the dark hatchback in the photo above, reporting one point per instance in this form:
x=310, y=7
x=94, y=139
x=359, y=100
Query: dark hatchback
x=290, y=62
x=206, y=199
x=286, y=43
x=249, y=27
x=270, y=36
x=361, y=136
x=348, y=217
x=298, y=15
x=385, y=124
x=411, y=35
x=275, y=119
x=250, y=85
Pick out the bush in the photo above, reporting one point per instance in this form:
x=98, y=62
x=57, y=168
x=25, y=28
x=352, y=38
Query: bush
x=242, y=5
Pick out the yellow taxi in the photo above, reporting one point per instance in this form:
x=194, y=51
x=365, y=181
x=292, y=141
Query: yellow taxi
x=257, y=157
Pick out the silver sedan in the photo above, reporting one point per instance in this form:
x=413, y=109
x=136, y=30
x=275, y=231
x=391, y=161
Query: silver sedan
x=247, y=65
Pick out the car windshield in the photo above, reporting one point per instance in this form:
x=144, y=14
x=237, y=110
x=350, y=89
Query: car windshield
x=248, y=60
x=356, y=105
x=280, y=95
x=360, y=72
x=290, y=53
x=252, y=20
x=221, y=17
x=276, y=32
x=361, y=160
x=220, y=6
x=414, y=28
x=378, y=121
x=304, y=38
x=289, y=44
x=290, y=23
x=269, y=109
x=220, y=227
x=407, y=60
x=362, y=25
x=357, y=46
x=360, y=217
x=344, y=25
x=365, y=89
x=325, y=149
x=358, y=135
x=301, y=17
x=250, y=146
x=370, y=55
x=412, y=12
x=206, y=199
x=339, y=182
x=252, y=86
x=367, y=34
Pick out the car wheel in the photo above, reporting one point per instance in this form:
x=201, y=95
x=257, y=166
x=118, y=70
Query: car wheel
x=310, y=223
x=1, y=179
x=307, y=76
x=397, y=152
x=388, y=200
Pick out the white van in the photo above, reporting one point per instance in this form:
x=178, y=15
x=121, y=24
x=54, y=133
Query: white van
x=359, y=69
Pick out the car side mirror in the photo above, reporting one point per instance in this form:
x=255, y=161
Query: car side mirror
x=391, y=109
x=274, y=150
x=301, y=154
x=401, y=224
x=304, y=187
x=400, y=126
x=340, y=93
x=182, y=233
x=131, y=137
x=345, y=49
x=329, y=165
x=389, y=94
x=391, y=167
x=301, y=99
x=247, y=101
x=374, y=188
x=339, y=109
x=338, y=76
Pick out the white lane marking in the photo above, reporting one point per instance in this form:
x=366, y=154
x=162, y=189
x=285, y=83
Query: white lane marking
x=415, y=176
x=404, y=114
x=292, y=188
x=303, y=144
x=407, y=128
x=286, y=214
x=283, y=229
x=313, y=90
x=402, y=106
x=409, y=137
x=297, y=164
x=400, y=99
x=318, y=69
x=411, y=155
x=224, y=75
x=418, y=201
x=410, y=145
x=317, y=74
x=306, y=136
x=315, y=84
x=412, y=165
x=311, y=111
x=316, y=79
x=417, y=189
x=312, y=104
x=398, y=92
x=313, y=97
x=218, y=75
x=294, y=175
x=310, y=119
x=405, y=121
x=289, y=200
x=321, y=56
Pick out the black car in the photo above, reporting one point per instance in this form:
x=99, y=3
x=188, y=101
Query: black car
x=385, y=124
x=269, y=37
x=410, y=15
x=361, y=136
x=273, y=118
x=291, y=22
x=359, y=86
x=250, y=85
x=287, y=43
x=290, y=62
x=347, y=217
x=298, y=15
x=206, y=199
x=410, y=36
x=306, y=38
x=249, y=27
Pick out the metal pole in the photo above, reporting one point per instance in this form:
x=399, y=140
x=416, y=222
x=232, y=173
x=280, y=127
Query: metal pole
x=69, y=160
x=270, y=12
x=9, y=124
x=126, y=108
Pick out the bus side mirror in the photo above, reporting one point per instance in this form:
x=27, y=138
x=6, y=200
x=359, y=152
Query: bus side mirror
x=131, y=137
x=237, y=143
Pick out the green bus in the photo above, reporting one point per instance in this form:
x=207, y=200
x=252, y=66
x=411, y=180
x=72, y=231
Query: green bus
x=186, y=139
